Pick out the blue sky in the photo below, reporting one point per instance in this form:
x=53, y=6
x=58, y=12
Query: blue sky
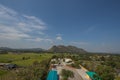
x=90, y=24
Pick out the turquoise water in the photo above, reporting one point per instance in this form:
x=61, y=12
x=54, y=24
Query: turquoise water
x=93, y=76
x=52, y=75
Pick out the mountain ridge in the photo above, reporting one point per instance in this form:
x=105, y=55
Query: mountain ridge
x=66, y=49
x=53, y=49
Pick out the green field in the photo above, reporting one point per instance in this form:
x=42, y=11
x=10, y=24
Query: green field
x=23, y=59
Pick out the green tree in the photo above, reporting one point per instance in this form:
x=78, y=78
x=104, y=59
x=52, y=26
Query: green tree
x=66, y=74
x=106, y=72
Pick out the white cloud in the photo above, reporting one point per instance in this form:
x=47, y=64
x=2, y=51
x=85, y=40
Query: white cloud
x=23, y=27
x=34, y=22
x=90, y=29
x=38, y=39
x=7, y=14
x=80, y=43
x=13, y=36
x=58, y=38
x=11, y=33
x=41, y=40
x=14, y=25
x=59, y=34
x=35, y=19
x=6, y=10
x=41, y=33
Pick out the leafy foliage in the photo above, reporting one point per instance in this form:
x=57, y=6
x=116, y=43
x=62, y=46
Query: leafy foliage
x=66, y=74
x=36, y=71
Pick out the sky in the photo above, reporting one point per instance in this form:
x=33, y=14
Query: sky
x=93, y=25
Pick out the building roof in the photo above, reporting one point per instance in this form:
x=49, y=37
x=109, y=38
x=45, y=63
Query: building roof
x=68, y=59
x=52, y=75
x=93, y=75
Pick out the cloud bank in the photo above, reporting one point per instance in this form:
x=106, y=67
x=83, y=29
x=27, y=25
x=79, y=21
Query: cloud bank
x=14, y=25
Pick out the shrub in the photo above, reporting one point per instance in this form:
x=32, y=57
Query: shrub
x=66, y=74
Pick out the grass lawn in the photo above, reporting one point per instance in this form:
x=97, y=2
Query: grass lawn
x=2, y=72
x=18, y=58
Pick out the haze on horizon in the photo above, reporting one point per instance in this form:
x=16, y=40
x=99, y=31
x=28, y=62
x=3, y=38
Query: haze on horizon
x=93, y=25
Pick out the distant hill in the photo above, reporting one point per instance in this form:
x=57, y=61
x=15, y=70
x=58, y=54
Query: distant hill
x=2, y=49
x=5, y=48
x=66, y=49
x=54, y=49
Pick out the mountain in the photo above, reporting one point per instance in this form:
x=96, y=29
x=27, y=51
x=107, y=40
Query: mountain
x=5, y=48
x=21, y=50
x=66, y=49
x=54, y=49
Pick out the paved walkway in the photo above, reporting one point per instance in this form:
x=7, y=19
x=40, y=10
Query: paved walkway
x=83, y=73
x=76, y=74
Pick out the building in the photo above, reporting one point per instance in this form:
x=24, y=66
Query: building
x=67, y=60
x=2, y=65
x=10, y=66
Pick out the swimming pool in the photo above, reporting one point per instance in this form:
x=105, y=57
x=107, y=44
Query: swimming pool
x=52, y=75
